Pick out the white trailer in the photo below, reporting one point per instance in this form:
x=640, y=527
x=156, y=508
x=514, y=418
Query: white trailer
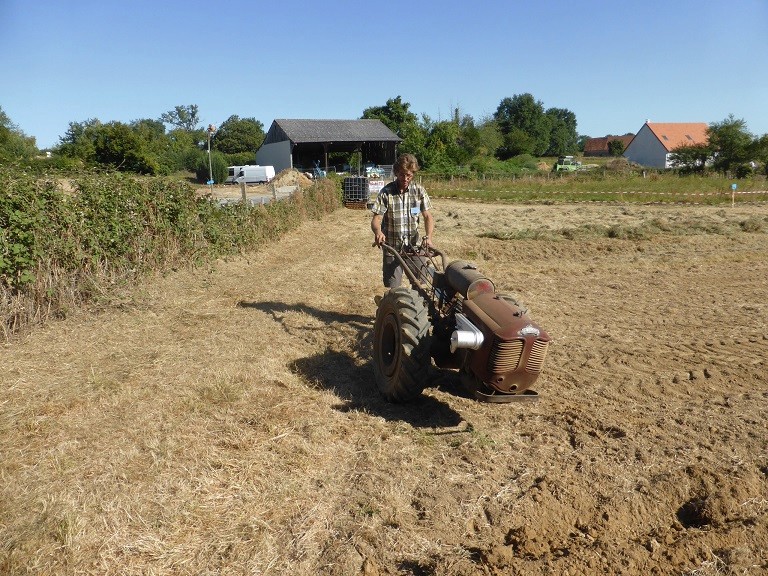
x=250, y=174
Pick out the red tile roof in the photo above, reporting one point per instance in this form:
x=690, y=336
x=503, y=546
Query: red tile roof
x=597, y=146
x=675, y=134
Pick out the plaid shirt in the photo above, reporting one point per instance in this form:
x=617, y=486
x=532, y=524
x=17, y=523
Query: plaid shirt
x=401, y=212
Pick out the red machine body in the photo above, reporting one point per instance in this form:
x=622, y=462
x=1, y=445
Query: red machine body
x=514, y=348
x=453, y=316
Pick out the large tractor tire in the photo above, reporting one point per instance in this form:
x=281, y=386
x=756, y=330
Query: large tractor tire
x=401, y=359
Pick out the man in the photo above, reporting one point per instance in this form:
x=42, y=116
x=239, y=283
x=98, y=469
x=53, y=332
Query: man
x=396, y=214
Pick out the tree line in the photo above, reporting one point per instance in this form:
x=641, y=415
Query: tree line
x=518, y=131
x=730, y=149
x=510, y=140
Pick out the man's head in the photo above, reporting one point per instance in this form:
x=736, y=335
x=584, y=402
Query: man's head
x=406, y=163
x=405, y=167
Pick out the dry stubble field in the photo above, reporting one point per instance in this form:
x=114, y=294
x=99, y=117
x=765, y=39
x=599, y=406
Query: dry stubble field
x=226, y=421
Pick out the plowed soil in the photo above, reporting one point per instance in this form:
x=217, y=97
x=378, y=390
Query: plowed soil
x=226, y=420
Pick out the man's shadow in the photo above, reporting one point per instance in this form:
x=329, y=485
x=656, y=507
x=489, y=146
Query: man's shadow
x=349, y=374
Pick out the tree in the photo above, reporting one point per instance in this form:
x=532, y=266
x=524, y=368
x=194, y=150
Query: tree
x=396, y=116
x=451, y=142
x=489, y=138
x=148, y=129
x=615, y=147
x=154, y=140
x=688, y=159
x=442, y=145
x=183, y=149
x=119, y=146
x=14, y=144
x=563, y=138
x=78, y=140
x=516, y=142
x=759, y=151
x=184, y=117
x=470, y=139
x=729, y=142
x=236, y=135
x=218, y=167
x=525, y=126
x=124, y=147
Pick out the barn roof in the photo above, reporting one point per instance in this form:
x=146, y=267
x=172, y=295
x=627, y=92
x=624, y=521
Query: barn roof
x=307, y=131
x=675, y=134
x=594, y=146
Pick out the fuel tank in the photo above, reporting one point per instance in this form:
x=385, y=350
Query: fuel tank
x=466, y=279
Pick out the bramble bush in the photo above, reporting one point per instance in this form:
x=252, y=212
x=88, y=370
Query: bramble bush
x=59, y=249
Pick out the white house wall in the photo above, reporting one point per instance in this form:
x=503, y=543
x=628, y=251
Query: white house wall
x=646, y=150
x=277, y=154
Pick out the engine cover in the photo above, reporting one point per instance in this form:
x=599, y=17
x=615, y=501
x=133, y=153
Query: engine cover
x=514, y=347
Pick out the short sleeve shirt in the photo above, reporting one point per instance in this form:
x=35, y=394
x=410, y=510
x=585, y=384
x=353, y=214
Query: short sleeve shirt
x=401, y=212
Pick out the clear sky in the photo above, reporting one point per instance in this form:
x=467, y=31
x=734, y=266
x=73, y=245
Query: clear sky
x=615, y=64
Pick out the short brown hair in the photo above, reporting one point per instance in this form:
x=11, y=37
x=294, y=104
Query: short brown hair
x=406, y=163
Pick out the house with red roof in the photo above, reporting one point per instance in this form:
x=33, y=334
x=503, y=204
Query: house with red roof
x=599, y=146
x=655, y=141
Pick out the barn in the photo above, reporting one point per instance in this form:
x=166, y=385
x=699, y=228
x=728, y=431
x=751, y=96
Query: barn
x=305, y=144
x=655, y=141
x=599, y=146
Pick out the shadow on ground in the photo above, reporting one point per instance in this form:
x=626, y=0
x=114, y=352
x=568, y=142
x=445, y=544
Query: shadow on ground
x=349, y=373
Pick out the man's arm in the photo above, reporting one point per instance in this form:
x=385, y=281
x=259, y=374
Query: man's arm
x=378, y=235
x=429, y=226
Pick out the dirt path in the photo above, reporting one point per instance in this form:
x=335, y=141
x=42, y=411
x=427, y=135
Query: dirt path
x=225, y=420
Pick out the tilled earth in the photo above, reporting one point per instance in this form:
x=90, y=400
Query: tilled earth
x=226, y=420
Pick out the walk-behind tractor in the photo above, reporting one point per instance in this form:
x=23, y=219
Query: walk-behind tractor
x=452, y=315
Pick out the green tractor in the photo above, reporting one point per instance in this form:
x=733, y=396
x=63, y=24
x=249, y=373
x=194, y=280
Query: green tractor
x=567, y=164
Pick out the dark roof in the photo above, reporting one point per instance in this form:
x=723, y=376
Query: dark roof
x=298, y=131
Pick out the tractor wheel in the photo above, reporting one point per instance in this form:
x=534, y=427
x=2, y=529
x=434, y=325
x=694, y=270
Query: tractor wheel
x=401, y=359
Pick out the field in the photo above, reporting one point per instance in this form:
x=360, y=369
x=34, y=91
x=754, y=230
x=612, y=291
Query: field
x=225, y=420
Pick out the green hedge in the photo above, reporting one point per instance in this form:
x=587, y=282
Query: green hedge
x=64, y=241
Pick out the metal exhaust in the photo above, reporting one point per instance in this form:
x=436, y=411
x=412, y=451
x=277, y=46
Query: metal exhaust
x=466, y=335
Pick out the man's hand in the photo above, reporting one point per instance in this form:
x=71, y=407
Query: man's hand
x=379, y=238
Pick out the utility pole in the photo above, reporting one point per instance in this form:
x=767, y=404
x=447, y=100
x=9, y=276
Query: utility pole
x=211, y=130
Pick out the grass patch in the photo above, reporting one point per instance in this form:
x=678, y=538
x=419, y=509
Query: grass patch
x=601, y=186
x=643, y=231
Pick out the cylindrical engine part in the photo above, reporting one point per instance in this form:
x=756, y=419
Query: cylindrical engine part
x=465, y=339
x=466, y=335
x=465, y=278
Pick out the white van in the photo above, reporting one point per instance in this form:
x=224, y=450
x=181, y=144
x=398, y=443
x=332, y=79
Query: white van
x=251, y=174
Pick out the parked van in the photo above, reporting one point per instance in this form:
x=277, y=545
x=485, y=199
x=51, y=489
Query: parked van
x=251, y=174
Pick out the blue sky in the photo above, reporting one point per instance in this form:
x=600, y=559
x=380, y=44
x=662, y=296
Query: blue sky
x=613, y=63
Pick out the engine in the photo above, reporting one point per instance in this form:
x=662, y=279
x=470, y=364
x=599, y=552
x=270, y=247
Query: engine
x=502, y=347
x=453, y=317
